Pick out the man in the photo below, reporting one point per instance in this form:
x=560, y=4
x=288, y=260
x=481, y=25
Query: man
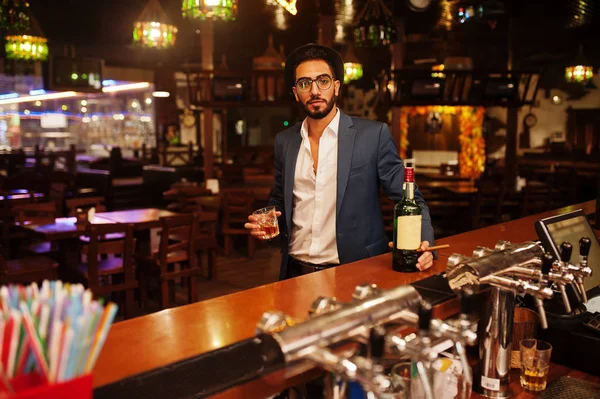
x=327, y=175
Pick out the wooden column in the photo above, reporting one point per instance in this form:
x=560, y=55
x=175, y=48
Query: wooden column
x=397, y=50
x=207, y=44
x=511, y=157
x=206, y=29
x=165, y=109
x=326, y=30
x=512, y=118
x=207, y=131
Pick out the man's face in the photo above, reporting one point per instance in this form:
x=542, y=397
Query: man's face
x=316, y=98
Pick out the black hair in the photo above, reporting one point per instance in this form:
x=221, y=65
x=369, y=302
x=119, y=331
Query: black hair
x=310, y=54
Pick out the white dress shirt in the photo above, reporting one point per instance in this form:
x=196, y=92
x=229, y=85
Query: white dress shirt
x=313, y=221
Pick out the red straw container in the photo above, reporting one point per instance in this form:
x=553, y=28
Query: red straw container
x=32, y=386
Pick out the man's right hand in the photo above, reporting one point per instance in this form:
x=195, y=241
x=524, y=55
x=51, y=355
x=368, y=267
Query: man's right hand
x=255, y=228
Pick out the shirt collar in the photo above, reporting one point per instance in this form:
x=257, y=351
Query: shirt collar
x=333, y=126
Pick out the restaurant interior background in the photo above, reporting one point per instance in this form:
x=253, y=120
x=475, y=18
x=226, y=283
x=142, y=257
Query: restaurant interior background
x=141, y=102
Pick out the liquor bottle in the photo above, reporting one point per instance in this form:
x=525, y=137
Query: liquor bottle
x=407, y=227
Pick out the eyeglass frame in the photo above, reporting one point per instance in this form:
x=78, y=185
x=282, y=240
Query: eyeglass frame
x=314, y=81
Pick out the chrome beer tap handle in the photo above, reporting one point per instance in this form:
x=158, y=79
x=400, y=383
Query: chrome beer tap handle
x=518, y=286
x=364, y=291
x=566, y=250
x=553, y=274
x=478, y=252
x=323, y=305
x=418, y=348
x=369, y=374
x=539, y=304
x=424, y=363
x=461, y=332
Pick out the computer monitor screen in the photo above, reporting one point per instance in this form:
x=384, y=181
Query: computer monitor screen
x=570, y=227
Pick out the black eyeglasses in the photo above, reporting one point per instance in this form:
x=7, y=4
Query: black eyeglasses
x=323, y=82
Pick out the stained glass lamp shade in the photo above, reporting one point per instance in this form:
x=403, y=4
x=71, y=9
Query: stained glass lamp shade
x=25, y=47
x=225, y=10
x=579, y=73
x=152, y=28
x=374, y=26
x=25, y=40
x=580, y=70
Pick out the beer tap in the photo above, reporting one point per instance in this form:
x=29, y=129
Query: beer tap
x=460, y=331
x=364, y=291
x=419, y=348
x=560, y=278
x=578, y=271
x=585, y=245
x=510, y=269
x=334, y=333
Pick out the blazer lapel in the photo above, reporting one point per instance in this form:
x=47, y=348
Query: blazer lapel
x=291, y=156
x=346, y=134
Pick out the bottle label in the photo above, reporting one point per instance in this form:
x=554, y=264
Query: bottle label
x=493, y=384
x=408, y=235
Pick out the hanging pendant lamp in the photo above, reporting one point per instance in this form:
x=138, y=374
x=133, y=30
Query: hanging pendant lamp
x=225, y=10
x=580, y=70
x=374, y=25
x=25, y=40
x=152, y=28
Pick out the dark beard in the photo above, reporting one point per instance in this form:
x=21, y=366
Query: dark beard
x=320, y=114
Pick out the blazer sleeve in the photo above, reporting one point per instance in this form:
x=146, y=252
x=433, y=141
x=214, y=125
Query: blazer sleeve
x=390, y=169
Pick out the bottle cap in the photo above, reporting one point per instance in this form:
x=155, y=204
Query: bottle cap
x=409, y=175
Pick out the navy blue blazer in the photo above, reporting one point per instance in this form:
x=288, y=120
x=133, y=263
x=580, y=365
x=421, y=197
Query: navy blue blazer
x=367, y=157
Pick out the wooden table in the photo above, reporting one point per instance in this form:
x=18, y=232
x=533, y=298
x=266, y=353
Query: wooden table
x=17, y=195
x=155, y=340
x=261, y=193
x=439, y=177
x=142, y=219
x=459, y=187
x=64, y=228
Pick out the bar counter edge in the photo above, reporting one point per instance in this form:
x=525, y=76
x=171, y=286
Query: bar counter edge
x=148, y=342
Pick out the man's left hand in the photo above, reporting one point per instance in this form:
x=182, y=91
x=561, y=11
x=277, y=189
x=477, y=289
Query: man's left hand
x=425, y=261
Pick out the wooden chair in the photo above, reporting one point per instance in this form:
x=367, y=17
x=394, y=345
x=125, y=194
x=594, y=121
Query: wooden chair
x=109, y=265
x=206, y=241
x=536, y=198
x=183, y=199
x=236, y=208
x=35, y=213
x=27, y=270
x=565, y=183
x=72, y=204
x=87, y=203
x=171, y=252
x=57, y=194
x=487, y=203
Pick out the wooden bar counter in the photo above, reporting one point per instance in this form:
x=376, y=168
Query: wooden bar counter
x=144, y=343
